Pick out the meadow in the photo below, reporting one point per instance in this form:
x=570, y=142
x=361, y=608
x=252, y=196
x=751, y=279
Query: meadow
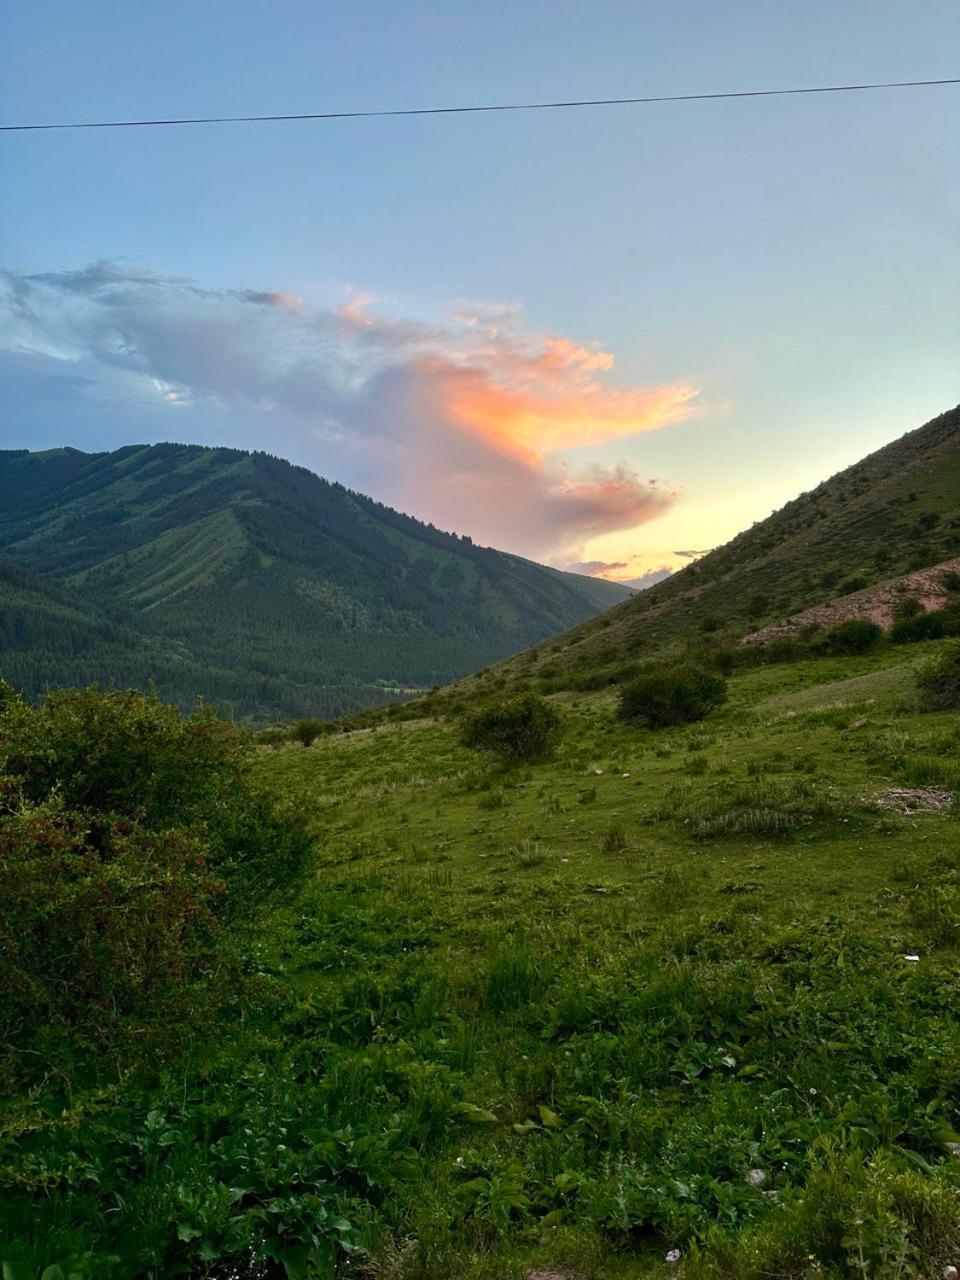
x=686, y=990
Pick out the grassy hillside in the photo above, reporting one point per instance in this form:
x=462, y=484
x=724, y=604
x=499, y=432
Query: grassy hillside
x=897, y=510
x=255, y=583
x=676, y=1002
x=651, y=994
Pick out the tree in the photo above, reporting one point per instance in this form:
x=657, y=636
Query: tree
x=307, y=731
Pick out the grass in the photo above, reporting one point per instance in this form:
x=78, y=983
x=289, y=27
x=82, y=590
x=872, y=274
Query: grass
x=554, y=1015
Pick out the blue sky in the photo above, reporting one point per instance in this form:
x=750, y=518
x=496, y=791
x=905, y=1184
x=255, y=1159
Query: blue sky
x=792, y=261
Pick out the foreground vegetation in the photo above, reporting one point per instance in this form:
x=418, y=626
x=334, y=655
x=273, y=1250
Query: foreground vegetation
x=688, y=989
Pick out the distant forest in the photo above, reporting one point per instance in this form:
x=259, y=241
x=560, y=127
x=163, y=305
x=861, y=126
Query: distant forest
x=251, y=583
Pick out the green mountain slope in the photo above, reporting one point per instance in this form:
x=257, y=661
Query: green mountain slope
x=894, y=511
x=244, y=579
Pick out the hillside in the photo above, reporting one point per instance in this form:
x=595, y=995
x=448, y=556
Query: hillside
x=896, y=511
x=249, y=581
x=929, y=589
x=689, y=990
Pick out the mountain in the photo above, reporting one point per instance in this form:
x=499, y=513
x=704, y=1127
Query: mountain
x=895, y=511
x=247, y=580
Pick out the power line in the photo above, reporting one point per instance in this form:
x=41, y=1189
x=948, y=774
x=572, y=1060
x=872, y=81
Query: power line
x=504, y=106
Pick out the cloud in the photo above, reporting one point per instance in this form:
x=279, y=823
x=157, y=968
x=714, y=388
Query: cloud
x=463, y=421
x=650, y=579
x=622, y=571
x=596, y=568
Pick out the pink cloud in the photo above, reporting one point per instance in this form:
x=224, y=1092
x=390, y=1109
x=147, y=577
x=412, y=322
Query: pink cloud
x=462, y=421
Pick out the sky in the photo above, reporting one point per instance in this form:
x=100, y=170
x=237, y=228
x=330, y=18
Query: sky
x=609, y=338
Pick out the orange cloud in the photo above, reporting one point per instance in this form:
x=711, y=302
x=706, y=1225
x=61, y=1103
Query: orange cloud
x=533, y=395
x=546, y=417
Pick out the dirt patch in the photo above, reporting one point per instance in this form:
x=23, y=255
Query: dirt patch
x=915, y=799
x=876, y=603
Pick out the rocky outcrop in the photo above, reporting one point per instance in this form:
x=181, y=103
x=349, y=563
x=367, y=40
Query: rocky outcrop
x=877, y=603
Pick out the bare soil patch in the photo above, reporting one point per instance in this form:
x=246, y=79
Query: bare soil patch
x=915, y=799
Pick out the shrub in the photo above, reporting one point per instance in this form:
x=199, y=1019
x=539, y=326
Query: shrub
x=781, y=649
x=906, y=608
x=306, y=732
x=119, y=752
x=678, y=696
x=938, y=682
x=522, y=728
x=922, y=626
x=127, y=834
x=100, y=921
x=717, y=656
x=857, y=635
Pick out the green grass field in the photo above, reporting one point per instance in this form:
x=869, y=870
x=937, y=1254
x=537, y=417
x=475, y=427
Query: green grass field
x=651, y=994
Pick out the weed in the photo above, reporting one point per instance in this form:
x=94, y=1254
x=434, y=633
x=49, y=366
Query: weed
x=528, y=853
x=614, y=840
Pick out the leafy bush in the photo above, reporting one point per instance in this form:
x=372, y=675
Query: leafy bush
x=99, y=920
x=678, y=696
x=906, y=608
x=119, y=752
x=127, y=833
x=521, y=728
x=938, y=681
x=306, y=732
x=922, y=626
x=856, y=635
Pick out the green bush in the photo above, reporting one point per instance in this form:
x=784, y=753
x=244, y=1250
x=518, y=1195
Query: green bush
x=306, y=732
x=120, y=752
x=678, y=696
x=938, y=682
x=516, y=729
x=922, y=626
x=856, y=635
x=99, y=921
x=906, y=608
x=127, y=834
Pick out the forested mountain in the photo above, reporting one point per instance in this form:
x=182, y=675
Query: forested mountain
x=895, y=511
x=249, y=581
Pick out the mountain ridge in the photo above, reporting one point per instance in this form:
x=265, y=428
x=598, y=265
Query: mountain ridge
x=224, y=560
x=894, y=511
